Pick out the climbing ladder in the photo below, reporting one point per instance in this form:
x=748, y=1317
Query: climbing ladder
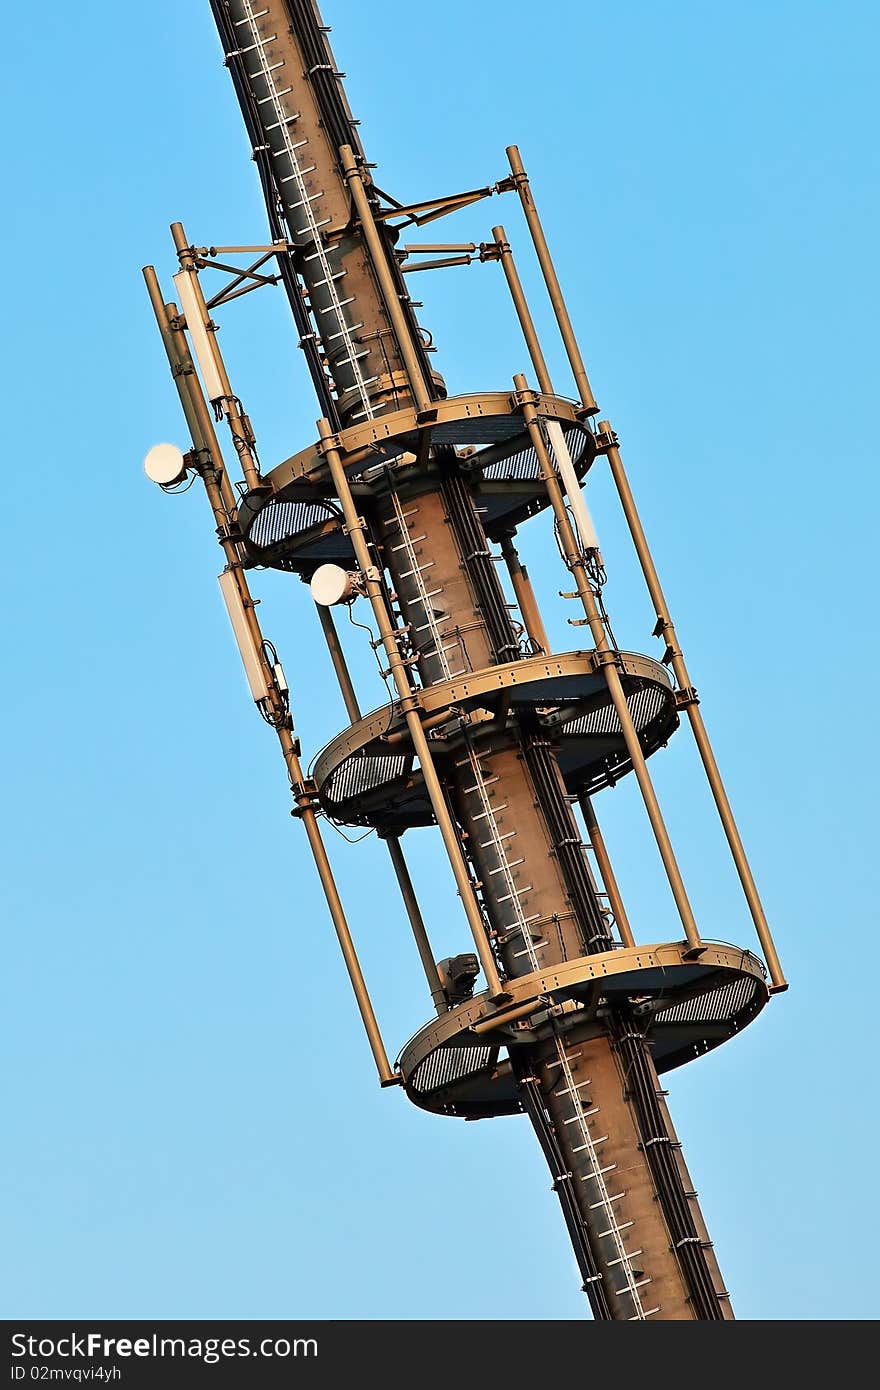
x=286, y=147
x=605, y=1201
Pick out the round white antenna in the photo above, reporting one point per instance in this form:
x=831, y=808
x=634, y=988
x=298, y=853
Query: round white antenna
x=164, y=465
x=330, y=585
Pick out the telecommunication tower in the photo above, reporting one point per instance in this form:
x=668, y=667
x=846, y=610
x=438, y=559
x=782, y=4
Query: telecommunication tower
x=407, y=503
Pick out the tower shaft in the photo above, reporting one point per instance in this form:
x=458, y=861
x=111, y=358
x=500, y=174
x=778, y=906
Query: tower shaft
x=518, y=832
x=648, y=1249
x=298, y=119
x=490, y=735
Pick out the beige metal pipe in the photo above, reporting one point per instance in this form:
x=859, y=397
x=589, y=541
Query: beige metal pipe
x=355, y=527
x=390, y=296
x=522, y=586
x=666, y=629
x=340, y=665
x=337, y=913
x=535, y=628
x=305, y=799
x=195, y=410
x=395, y=850
x=500, y=1020
x=665, y=622
x=607, y=658
x=213, y=476
x=579, y=371
x=606, y=872
x=525, y=595
x=231, y=408
x=173, y=348
x=564, y=461
x=417, y=922
x=520, y=303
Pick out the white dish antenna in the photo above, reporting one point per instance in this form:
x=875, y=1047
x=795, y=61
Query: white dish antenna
x=331, y=584
x=165, y=465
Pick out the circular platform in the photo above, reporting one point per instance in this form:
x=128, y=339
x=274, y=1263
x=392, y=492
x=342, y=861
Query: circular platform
x=367, y=776
x=454, y=1065
x=292, y=523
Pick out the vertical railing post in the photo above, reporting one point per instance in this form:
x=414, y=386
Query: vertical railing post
x=395, y=849
x=390, y=294
x=607, y=659
x=548, y=270
x=229, y=401
x=606, y=872
x=525, y=595
x=688, y=699
x=355, y=527
x=216, y=483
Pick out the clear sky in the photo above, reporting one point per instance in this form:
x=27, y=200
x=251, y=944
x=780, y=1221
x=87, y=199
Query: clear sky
x=192, y=1125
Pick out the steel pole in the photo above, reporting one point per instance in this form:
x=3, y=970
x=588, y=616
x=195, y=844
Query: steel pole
x=340, y=665
x=417, y=922
x=607, y=874
x=525, y=595
x=212, y=472
x=608, y=660
x=196, y=413
x=666, y=629
x=520, y=303
x=231, y=408
x=390, y=293
x=395, y=849
x=548, y=270
x=355, y=526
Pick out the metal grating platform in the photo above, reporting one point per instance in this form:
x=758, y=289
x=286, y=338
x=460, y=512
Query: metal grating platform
x=451, y=1070
x=293, y=523
x=298, y=537
x=362, y=784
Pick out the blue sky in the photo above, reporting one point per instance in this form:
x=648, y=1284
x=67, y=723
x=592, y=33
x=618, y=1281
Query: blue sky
x=192, y=1125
